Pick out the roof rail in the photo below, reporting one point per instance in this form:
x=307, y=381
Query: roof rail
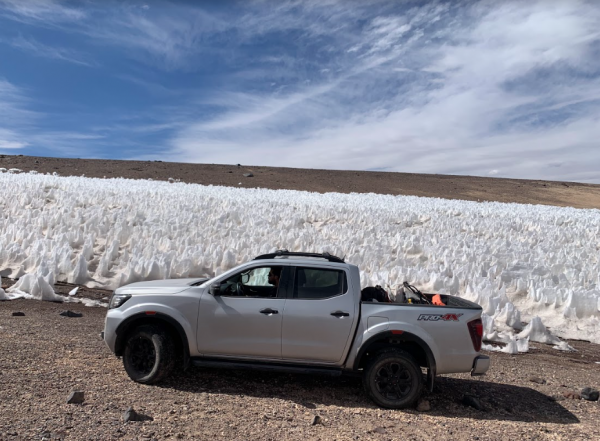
x=281, y=253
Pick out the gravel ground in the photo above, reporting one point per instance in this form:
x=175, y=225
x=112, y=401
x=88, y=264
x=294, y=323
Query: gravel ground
x=44, y=356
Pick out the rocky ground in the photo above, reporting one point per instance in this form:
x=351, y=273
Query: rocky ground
x=45, y=356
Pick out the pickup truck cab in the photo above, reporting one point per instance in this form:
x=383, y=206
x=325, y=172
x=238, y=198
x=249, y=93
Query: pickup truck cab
x=294, y=312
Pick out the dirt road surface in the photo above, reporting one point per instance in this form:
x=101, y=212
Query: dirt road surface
x=44, y=356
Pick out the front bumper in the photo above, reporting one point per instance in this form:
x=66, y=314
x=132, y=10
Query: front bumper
x=480, y=365
x=109, y=334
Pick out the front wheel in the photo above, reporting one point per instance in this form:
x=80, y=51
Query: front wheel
x=148, y=356
x=393, y=380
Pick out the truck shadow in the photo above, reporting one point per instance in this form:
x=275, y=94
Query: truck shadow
x=501, y=401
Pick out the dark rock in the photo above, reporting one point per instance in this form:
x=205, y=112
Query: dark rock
x=71, y=314
x=317, y=420
x=537, y=380
x=379, y=430
x=76, y=397
x=248, y=175
x=469, y=400
x=18, y=314
x=239, y=165
x=587, y=393
x=423, y=406
x=132, y=415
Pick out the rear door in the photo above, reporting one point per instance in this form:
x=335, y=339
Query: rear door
x=319, y=315
x=244, y=320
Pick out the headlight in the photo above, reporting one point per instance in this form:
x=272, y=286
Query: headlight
x=118, y=299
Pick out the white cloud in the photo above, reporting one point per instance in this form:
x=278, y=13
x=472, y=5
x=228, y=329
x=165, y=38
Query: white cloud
x=13, y=105
x=41, y=11
x=13, y=114
x=167, y=40
x=153, y=87
x=8, y=140
x=36, y=48
x=508, y=87
x=4, y=144
x=165, y=35
x=20, y=126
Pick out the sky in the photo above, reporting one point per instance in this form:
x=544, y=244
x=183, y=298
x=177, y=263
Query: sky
x=485, y=88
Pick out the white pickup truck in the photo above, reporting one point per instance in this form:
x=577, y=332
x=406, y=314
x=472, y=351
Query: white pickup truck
x=295, y=312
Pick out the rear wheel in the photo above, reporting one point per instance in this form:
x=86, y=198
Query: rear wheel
x=149, y=354
x=393, y=379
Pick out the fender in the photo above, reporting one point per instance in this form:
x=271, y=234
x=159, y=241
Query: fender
x=157, y=316
x=404, y=336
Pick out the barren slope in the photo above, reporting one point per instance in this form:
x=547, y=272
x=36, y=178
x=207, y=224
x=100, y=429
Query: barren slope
x=442, y=186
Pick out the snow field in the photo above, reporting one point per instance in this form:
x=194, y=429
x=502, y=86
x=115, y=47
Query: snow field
x=523, y=263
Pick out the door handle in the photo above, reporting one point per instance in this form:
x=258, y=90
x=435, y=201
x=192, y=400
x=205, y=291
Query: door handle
x=268, y=311
x=340, y=314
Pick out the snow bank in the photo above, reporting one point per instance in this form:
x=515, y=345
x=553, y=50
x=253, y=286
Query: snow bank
x=34, y=287
x=522, y=263
x=3, y=295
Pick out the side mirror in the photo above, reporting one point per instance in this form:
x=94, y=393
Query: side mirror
x=215, y=289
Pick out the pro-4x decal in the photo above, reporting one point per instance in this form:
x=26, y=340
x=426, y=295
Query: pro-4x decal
x=438, y=317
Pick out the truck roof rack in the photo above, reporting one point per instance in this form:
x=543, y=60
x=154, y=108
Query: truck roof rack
x=282, y=253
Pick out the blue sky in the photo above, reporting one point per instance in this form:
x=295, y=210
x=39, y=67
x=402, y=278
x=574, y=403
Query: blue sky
x=487, y=88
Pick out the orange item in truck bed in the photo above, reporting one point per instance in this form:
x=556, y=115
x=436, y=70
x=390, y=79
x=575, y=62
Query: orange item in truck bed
x=437, y=300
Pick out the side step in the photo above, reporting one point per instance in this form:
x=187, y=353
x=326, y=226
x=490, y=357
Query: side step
x=270, y=367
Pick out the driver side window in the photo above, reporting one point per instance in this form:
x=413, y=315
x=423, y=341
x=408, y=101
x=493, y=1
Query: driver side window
x=261, y=282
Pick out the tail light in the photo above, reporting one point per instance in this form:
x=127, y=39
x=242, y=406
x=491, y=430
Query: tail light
x=476, y=331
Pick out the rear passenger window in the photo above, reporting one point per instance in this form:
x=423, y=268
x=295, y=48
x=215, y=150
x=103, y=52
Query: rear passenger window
x=311, y=283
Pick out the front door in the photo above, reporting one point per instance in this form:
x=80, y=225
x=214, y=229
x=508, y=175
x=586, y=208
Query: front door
x=319, y=316
x=244, y=319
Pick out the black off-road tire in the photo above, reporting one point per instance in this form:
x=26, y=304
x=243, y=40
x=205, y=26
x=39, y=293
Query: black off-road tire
x=393, y=379
x=149, y=354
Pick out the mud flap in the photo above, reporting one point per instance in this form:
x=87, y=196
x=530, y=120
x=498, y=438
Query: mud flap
x=186, y=361
x=430, y=379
